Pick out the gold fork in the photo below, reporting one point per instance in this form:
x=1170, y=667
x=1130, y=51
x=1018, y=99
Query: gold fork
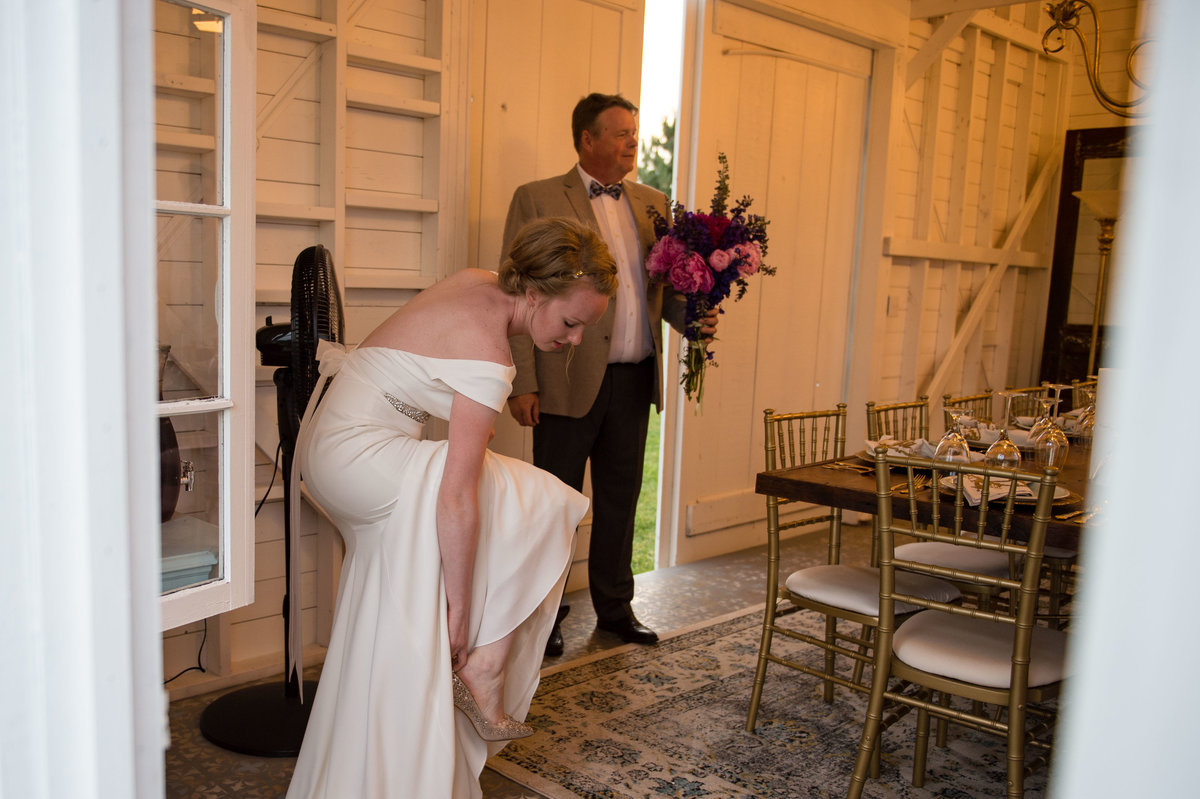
x=919, y=482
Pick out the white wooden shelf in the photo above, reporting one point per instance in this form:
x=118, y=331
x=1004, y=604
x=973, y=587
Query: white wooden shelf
x=264, y=296
x=288, y=212
x=299, y=26
x=184, y=85
x=358, y=278
x=378, y=101
x=389, y=201
x=361, y=54
x=185, y=142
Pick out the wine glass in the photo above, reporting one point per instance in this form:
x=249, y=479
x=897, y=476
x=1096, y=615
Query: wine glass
x=1043, y=419
x=1003, y=453
x=1086, y=421
x=953, y=446
x=1050, y=447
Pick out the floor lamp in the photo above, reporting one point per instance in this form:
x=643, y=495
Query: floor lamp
x=1104, y=205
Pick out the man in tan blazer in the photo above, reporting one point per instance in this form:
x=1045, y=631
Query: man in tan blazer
x=594, y=402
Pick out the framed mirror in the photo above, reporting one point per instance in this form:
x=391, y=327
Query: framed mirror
x=1095, y=161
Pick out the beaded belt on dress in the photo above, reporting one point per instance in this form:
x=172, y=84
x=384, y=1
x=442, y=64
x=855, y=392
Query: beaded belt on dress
x=416, y=414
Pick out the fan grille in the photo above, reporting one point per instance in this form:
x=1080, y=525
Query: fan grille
x=316, y=314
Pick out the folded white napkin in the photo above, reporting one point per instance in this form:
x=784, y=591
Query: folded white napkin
x=989, y=433
x=997, y=489
x=919, y=448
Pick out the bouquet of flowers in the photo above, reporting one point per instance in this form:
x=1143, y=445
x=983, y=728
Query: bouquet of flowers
x=703, y=256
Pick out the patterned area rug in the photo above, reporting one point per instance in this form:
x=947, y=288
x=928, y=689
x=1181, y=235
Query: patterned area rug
x=668, y=721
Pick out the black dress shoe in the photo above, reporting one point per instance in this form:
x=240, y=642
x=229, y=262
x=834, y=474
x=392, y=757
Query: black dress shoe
x=629, y=630
x=554, y=644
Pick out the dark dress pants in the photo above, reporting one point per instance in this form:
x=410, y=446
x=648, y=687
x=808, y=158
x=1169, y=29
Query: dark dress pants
x=613, y=435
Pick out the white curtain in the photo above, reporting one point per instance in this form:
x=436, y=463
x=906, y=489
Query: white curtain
x=83, y=713
x=1128, y=728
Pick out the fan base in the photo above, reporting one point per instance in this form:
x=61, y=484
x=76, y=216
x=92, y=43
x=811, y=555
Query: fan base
x=259, y=720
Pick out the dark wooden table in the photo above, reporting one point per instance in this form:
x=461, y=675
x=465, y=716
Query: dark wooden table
x=853, y=491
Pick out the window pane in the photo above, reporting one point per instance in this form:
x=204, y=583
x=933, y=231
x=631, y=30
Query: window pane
x=187, y=55
x=191, y=499
x=190, y=305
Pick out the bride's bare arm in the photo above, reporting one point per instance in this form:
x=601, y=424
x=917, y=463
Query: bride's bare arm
x=458, y=513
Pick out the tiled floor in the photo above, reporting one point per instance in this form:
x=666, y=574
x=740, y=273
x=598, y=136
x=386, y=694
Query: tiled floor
x=666, y=600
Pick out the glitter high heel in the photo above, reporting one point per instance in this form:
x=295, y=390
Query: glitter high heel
x=507, y=730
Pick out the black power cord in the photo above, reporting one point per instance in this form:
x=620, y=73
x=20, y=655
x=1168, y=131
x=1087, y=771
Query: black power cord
x=199, y=666
x=204, y=639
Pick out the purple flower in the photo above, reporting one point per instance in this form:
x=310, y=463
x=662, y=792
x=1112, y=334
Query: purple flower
x=690, y=275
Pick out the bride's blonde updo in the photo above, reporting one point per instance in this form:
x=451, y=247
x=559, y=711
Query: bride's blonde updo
x=552, y=254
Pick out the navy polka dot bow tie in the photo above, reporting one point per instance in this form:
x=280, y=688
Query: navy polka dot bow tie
x=612, y=190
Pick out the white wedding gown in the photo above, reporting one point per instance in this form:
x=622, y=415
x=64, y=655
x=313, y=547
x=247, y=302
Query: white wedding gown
x=383, y=723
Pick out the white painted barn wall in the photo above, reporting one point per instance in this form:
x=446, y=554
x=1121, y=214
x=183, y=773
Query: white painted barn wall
x=947, y=196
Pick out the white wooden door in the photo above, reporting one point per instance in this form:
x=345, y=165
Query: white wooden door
x=787, y=105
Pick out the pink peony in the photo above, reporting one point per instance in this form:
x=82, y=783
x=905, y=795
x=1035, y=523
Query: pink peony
x=719, y=260
x=751, y=258
x=666, y=252
x=691, y=275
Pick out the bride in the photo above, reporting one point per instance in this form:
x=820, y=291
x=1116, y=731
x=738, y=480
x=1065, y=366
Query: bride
x=455, y=556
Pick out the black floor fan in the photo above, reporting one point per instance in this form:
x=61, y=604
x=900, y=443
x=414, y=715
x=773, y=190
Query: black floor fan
x=268, y=720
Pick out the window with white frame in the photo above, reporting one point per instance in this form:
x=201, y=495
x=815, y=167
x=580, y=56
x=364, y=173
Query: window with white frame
x=204, y=114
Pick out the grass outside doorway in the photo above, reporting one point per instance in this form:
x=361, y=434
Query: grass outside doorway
x=647, y=508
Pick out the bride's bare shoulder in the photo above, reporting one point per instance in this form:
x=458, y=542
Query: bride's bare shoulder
x=461, y=314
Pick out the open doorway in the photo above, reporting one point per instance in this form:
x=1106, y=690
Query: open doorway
x=662, y=54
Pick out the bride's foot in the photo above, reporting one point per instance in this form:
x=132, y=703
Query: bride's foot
x=507, y=729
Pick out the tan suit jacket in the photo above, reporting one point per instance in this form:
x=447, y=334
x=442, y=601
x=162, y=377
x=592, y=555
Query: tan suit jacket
x=567, y=384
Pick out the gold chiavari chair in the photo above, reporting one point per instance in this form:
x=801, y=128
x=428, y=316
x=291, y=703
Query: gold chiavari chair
x=978, y=405
x=1077, y=389
x=835, y=590
x=1026, y=401
x=998, y=658
x=903, y=421
x=910, y=420
x=1059, y=563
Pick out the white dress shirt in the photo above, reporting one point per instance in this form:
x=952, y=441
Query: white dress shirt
x=631, y=339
